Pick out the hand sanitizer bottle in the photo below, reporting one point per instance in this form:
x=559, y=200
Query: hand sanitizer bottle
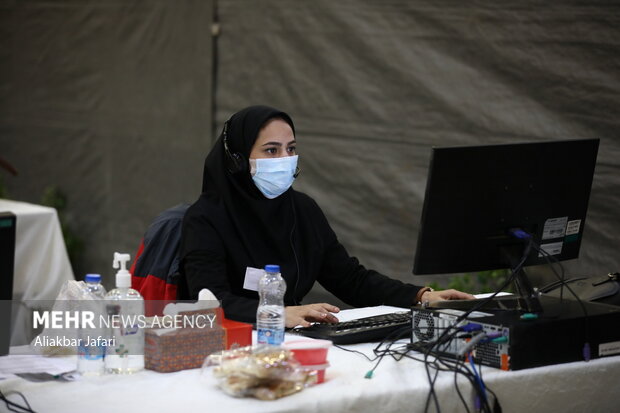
x=125, y=310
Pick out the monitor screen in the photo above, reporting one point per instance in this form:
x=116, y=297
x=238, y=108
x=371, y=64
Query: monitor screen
x=7, y=261
x=476, y=194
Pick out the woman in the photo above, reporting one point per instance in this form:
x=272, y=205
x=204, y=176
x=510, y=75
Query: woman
x=249, y=216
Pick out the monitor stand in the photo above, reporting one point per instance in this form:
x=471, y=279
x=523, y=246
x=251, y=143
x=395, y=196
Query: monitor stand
x=515, y=255
x=526, y=301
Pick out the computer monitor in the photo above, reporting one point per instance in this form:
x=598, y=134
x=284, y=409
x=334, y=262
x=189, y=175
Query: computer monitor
x=475, y=195
x=7, y=260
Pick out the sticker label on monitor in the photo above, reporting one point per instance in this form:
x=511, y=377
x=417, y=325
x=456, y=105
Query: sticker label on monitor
x=554, y=228
x=607, y=349
x=573, y=227
x=553, y=248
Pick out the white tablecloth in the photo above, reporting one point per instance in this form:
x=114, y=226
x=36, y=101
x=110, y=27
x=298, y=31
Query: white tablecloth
x=395, y=387
x=41, y=261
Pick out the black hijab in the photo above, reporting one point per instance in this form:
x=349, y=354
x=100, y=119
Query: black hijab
x=255, y=229
x=252, y=214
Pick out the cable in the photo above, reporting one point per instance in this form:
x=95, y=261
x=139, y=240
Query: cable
x=389, y=341
x=380, y=353
x=458, y=367
x=294, y=253
x=549, y=258
x=440, y=363
x=478, y=378
x=355, y=351
x=496, y=405
x=10, y=404
x=392, y=338
x=446, y=336
x=458, y=391
x=586, y=351
x=449, y=334
x=471, y=343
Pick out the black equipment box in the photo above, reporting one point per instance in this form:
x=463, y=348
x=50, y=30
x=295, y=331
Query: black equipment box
x=565, y=331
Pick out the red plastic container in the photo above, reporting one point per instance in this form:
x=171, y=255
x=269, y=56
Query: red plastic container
x=309, y=352
x=312, y=354
x=319, y=370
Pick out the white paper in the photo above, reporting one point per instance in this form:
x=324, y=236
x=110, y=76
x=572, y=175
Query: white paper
x=485, y=295
x=252, y=275
x=36, y=364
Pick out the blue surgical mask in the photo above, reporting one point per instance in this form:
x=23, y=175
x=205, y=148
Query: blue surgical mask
x=273, y=176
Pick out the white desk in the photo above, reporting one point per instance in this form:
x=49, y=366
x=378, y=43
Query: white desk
x=396, y=387
x=41, y=261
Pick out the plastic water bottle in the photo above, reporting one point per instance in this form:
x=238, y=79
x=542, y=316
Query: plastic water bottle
x=125, y=352
x=91, y=348
x=270, y=314
x=93, y=285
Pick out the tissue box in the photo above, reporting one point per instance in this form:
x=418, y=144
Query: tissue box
x=237, y=334
x=168, y=350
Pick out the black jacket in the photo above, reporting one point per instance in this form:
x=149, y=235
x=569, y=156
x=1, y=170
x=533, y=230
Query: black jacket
x=221, y=266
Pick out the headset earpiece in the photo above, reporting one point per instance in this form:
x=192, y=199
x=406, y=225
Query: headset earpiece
x=235, y=161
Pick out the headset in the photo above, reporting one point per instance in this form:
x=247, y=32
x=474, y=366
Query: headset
x=235, y=161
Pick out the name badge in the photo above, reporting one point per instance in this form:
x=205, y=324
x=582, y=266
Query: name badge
x=252, y=276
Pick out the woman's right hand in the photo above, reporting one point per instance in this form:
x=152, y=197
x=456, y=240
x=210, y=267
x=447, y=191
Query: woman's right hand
x=303, y=315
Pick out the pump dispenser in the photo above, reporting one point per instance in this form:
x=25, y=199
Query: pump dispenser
x=125, y=354
x=123, y=277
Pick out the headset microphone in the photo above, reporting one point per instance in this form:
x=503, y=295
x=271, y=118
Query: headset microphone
x=236, y=162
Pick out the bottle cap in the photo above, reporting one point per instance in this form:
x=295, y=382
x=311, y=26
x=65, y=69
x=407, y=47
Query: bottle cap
x=92, y=278
x=272, y=268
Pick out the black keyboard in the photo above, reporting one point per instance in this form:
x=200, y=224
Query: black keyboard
x=361, y=330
